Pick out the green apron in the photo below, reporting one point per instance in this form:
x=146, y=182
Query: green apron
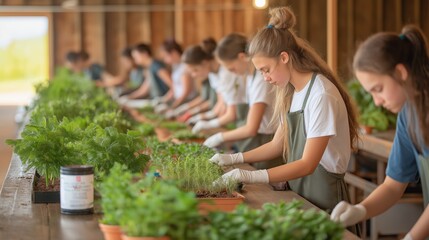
x=322, y=188
x=423, y=165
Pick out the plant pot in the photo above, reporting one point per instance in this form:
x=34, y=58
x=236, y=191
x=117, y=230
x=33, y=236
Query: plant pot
x=111, y=232
x=162, y=134
x=43, y=196
x=124, y=237
x=224, y=204
x=366, y=129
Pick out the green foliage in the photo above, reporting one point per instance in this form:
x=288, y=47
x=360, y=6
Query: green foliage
x=146, y=129
x=172, y=126
x=188, y=164
x=185, y=134
x=73, y=122
x=115, y=193
x=370, y=115
x=273, y=221
x=162, y=209
x=48, y=145
x=18, y=59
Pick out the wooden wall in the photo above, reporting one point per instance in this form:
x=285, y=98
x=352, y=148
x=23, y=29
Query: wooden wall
x=105, y=34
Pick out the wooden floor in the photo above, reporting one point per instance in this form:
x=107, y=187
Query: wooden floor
x=7, y=130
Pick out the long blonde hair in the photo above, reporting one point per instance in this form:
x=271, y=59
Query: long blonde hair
x=278, y=37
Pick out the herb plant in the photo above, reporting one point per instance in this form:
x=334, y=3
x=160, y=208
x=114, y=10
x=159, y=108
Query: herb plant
x=162, y=209
x=273, y=221
x=186, y=134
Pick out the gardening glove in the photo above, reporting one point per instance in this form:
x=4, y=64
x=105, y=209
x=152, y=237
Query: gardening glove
x=156, y=100
x=194, y=119
x=227, y=159
x=348, y=214
x=180, y=109
x=245, y=176
x=202, y=125
x=408, y=237
x=160, y=108
x=209, y=114
x=214, y=140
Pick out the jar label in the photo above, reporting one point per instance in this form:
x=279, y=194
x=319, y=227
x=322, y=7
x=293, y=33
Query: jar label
x=77, y=192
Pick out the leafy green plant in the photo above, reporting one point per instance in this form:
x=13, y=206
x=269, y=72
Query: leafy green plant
x=188, y=164
x=115, y=193
x=273, y=221
x=146, y=129
x=172, y=126
x=48, y=144
x=369, y=114
x=162, y=209
x=185, y=134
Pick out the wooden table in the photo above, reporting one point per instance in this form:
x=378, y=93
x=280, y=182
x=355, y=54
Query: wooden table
x=20, y=219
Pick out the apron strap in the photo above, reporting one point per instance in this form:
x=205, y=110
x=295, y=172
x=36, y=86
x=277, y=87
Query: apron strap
x=308, y=91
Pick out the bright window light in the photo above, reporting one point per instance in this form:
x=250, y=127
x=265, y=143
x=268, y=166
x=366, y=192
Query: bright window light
x=260, y=4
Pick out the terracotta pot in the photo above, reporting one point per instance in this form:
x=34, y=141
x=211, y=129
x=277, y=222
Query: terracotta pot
x=206, y=205
x=111, y=232
x=162, y=134
x=366, y=129
x=124, y=237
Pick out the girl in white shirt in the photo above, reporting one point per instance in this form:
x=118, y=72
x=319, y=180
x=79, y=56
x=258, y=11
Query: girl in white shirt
x=317, y=127
x=231, y=53
x=183, y=85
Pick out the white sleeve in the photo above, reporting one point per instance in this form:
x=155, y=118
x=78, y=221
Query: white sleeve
x=322, y=111
x=260, y=91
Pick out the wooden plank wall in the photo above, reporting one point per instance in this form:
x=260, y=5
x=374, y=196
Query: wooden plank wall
x=105, y=34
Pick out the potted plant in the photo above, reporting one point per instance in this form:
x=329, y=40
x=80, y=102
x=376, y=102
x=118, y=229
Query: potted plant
x=370, y=116
x=161, y=211
x=273, y=221
x=188, y=164
x=113, y=189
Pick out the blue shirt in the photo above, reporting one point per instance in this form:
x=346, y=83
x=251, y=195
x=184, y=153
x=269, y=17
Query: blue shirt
x=158, y=87
x=402, y=164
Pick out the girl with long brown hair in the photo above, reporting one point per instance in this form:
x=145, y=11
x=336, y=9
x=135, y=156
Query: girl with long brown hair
x=395, y=70
x=317, y=127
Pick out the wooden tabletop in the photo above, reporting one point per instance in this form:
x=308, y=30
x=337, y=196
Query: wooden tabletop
x=20, y=219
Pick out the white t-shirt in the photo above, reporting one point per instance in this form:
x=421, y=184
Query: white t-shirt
x=326, y=115
x=233, y=88
x=215, y=77
x=176, y=75
x=259, y=91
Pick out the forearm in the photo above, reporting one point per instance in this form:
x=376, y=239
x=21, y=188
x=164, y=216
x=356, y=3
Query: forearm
x=239, y=133
x=141, y=91
x=229, y=116
x=168, y=96
x=383, y=197
x=266, y=152
x=290, y=171
x=197, y=101
x=420, y=230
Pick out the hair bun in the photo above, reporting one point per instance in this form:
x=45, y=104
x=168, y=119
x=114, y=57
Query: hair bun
x=282, y=18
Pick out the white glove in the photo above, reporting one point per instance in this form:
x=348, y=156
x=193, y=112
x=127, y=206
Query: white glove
x=180, y=109
x=214, y=140
x=122, y=100
x=194, y=119
x=202, y=125
x=408, y=237
x=227, y=159
x=244, y=176
x=156, y=100
x=161, y=108
x=348, y=214
x=209, y=114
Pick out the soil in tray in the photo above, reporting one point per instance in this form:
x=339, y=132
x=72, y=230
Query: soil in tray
x=217, y=195
x=40, y=185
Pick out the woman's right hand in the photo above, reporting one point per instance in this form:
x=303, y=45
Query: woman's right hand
x=227, y=159
x=348, y=214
